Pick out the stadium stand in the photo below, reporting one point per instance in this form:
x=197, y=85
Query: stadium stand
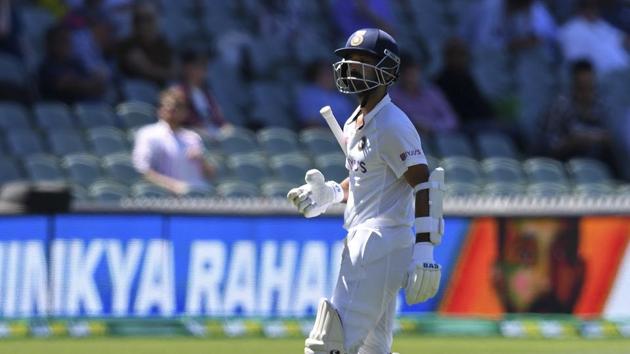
x=65, y=141
x=82, y=169
x=262, y=153
x=134, y=114
x=9, y=170
x=50, y=116
x=43, y=167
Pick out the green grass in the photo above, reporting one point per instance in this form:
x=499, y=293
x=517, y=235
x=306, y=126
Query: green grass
x=405, y=345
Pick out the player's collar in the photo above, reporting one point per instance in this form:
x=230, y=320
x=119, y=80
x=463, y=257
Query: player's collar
x=382, y=103
x=368, y=117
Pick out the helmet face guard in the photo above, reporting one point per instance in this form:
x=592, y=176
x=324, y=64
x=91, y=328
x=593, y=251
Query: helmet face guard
x=353, y=76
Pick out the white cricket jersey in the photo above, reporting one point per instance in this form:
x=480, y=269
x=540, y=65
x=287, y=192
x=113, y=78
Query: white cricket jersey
x=379, y=153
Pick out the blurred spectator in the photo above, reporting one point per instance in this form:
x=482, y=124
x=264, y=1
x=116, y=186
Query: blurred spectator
x=351, y=15
x=319, y=91
x=11, y=36
x=511, y=24
x=587, y=35
x=424, y=103
x=146, y=54
x=575, y=125
x=117, y=12
x=528, y=24
x=458, y=84
x=561, y=10
x=168, y=154
x=92, y=39
x=63, y=76
x=56, y=7
x=204, y=110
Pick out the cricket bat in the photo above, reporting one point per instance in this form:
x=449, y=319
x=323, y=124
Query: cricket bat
x=328, y=115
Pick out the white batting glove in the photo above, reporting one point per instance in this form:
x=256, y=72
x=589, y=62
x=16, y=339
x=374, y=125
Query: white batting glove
x=423, y=275
x=314, y=197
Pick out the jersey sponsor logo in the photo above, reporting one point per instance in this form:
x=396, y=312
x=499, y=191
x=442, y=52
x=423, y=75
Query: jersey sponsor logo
x=357, y=165
x=410, y=153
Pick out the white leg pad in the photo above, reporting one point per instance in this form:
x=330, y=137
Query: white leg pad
x=327, y=334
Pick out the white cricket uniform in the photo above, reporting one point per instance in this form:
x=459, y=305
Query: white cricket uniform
x=379, y=218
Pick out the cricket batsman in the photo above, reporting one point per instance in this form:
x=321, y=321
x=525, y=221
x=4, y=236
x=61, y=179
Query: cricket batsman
x=393, y=209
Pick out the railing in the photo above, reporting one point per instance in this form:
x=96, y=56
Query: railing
x=454, y=206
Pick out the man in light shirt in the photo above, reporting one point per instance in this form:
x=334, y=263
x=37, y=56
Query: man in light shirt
x=588, y=36
x=168, y=154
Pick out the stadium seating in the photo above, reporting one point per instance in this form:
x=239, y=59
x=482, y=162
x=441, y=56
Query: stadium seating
x=276, y=189
x=623, y=189
x=237, y=189
x=66, y=141
x=547, y=189
x=201, y=192
x=250, y=167
x=237, y=140
x=454, y=144
x=82, y=169
x=50, y=116
x=88, y=144
x=503, y=189
x=496, y=145
x=9, y=170
x=135, y=114
x=13, y=116
x=43, y=167
x=503, y=170
x=584, y=170
x=149, y=190
x=118, y=167
x=79, y=193
x=545, y=170
x=291, y=167
x=459, y=169
x=108, y=191
x=24, y=142
x=140, y=90
x=332, y=166
x=107, y=140
x=217, y=160
x=319, y=141
x=593, y=189
x=92, y=115
x=276, y=140
x=462, y=189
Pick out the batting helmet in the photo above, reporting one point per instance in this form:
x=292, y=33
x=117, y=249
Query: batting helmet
x=352, y=76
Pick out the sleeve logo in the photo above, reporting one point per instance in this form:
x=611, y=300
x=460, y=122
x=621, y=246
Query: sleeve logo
x=410, y=153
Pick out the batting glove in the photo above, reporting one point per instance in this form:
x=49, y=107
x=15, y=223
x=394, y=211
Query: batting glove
x=314, y=197
x=423, y=276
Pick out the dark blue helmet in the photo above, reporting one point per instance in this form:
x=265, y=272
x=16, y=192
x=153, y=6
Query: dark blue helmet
x=371, y=41
x=353, y=76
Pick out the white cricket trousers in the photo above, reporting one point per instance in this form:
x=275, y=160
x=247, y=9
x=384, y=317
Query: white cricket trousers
x=373, y=268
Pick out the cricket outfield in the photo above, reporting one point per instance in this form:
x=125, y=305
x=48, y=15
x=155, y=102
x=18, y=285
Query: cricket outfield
x=402, y=344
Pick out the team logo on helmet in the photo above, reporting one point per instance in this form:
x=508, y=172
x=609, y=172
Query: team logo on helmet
x=357, y=39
